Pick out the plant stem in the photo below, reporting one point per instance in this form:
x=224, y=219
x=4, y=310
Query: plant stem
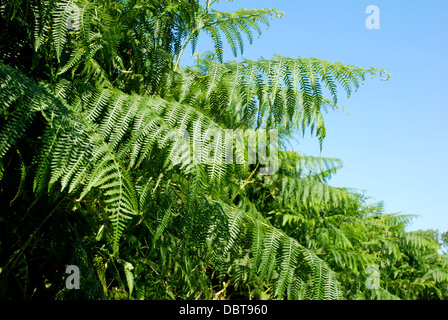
x=183, y=48
x=246, y=182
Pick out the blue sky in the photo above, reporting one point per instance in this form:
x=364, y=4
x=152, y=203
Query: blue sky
x=393, y=142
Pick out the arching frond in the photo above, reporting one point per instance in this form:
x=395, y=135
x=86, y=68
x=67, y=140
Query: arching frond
x=288, y=91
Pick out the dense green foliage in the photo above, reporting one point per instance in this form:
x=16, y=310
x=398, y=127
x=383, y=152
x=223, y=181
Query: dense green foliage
x=91, y=93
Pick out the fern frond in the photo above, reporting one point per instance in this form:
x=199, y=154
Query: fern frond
x=233, y=25
x=62, y=15
x=288, y=91
x=279, y=259
x=78, y=152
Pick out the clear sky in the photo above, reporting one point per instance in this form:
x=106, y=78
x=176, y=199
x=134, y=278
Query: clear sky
x=394, y=141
